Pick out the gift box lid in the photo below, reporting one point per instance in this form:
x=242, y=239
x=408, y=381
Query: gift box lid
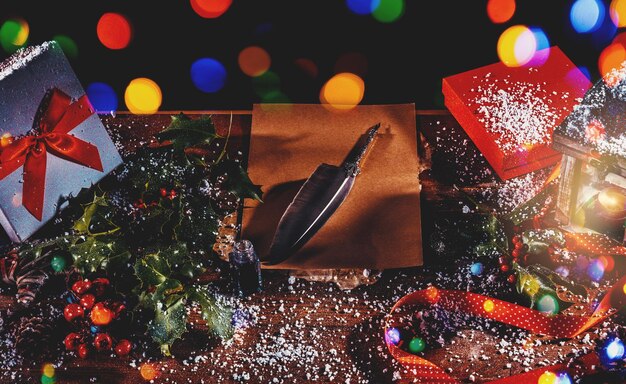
x=596, y=127
x=510, y=112
x=54, y=144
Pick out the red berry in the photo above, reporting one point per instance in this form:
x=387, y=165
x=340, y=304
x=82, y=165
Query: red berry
x=519, y=245
x=505, y=267
x=102, y=341
x=100, y=285
x=516, y=239
x=123, y=347
x=87, y=301
x=73, y=311
x=83, y=351
x=81, y=286
x=100, y=314
x=117, y=308
x=511, y=279
x=163, y=192
x=516, y=253
x=71, y=340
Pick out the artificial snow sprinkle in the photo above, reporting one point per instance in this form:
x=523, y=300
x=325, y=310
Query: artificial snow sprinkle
x=21, y=58
x=520, y=116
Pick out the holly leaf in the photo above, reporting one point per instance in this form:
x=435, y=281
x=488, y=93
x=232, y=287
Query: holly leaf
x=185, y=132
x=237, y=180
x=152, y=270
x=169, y=324
x=91, y=254
x=83, y=223
x=218, y=317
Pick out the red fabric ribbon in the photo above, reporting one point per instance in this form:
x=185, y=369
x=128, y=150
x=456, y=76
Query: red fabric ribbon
x=58, y=118
x=559, y=326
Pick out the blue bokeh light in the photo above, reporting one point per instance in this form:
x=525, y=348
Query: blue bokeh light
x=587, y=15
x=613, y=349
x=477, y=269
x=208, y=75
x=363, y=7
x=102, y=97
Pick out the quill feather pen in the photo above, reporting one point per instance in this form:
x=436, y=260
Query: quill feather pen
x=316, y=201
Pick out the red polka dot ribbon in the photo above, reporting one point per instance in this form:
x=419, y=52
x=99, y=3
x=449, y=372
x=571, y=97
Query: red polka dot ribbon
x=593, y=243
x=559, y=326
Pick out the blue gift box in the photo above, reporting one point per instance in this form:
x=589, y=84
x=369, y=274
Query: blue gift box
x=53, y=144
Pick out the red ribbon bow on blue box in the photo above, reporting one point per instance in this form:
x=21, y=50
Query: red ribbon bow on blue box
x=59, y=115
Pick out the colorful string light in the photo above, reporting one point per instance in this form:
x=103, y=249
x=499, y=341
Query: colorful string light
x=14, y=34
x=587, y=15
x=102, y=97
x=517, y=46
x=343, y=91
x=210, y=9
x=500, y=11
x=254, y=61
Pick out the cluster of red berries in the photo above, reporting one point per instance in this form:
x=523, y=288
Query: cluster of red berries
x=519, y=255
x=164, y=193
x=91, y=313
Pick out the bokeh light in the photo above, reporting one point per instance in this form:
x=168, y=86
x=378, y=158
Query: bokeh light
x=389, y=11
x=617, y=10
x=363, y=7
x=275, y=97
x=542, y=51
x=102, y=97
x=477, y=269
x=265, y=84
x=595, y=270
x=68, y=45
x=393, y=336
x=547, y=378
x=517, y=46
x=14, y=34
x=254, y=61
x=563, y=378
x=143, y=96
x=500, y=11
x=489, y=306
x=114, y=31
x=586, y=15
x=353, y=62
x=613, y=349
x=210, y=9
x=548, y=304
x=343, y=91
x=307, y=66
x=208, y=75
x=607, y=262
x=611, y=59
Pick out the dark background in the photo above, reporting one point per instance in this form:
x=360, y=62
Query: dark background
x=406, y=59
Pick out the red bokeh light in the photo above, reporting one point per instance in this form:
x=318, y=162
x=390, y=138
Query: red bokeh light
x=114, y=31
x=210, y=9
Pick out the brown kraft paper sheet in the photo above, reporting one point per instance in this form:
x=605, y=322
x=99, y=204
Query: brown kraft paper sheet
x=378, y=226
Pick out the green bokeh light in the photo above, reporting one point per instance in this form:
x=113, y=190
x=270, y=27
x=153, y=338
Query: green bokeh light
x=68, y=45
x=389, y=11
x=13, y=35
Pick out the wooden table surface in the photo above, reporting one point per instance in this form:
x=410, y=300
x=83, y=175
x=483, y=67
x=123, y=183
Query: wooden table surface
x=332, y=335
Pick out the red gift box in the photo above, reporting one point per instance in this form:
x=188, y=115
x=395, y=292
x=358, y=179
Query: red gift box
x=511, y=112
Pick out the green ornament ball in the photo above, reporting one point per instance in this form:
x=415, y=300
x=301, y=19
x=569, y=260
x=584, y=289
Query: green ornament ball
x=417, y=345
x=58, y=263
x=48, y=380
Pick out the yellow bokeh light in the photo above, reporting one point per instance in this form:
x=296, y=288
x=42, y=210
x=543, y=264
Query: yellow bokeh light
x=488, y=306
x=618, y=12
x=547, y=378
x=516, y=46
x=624, y=289
x=48, y=370
x=23, y=33
x=343, y=91
x=143, y=96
